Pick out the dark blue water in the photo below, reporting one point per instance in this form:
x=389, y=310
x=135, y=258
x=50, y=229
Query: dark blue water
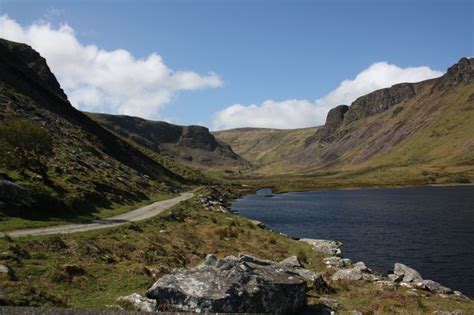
x=429, y=228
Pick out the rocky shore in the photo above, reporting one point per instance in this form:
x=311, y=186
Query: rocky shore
x=402, y=275
x=247, y=284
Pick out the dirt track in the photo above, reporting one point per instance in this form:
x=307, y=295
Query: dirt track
x=132, y=216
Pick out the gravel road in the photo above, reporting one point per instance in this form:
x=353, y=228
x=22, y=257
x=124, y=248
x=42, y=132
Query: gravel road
x=132, y=216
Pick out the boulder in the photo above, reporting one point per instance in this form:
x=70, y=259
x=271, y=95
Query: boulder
x=231, y=284
x=358, y=272
x=347, y=274
x=139, y=303
x=409, y=275
x=324, y=246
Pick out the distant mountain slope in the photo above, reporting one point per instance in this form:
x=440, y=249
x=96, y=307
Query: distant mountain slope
x=192, y=145
x=262, y=146
x=426, y=128
x=91, y=166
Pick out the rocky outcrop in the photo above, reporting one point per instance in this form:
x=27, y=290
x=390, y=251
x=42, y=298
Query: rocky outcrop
x=324, y=246
x=30, y=66
x=358, y=272
x=233, y=284
x=334, y=119
x=461, y=72
x=187, y=143
x=347, y=271
x=379, y=101
x=198, y=137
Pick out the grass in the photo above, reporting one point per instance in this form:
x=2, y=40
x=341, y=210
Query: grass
x=10, y=223
x=118, y=261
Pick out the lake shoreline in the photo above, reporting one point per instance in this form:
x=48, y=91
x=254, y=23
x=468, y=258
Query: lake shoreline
x=427, y=256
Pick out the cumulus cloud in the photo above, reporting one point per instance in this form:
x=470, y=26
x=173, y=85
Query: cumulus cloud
x=300, y=113
x=100, y=80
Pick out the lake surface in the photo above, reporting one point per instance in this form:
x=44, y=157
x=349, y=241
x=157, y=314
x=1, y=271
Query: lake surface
x=429, y=228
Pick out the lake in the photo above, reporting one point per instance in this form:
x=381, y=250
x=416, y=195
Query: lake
x=430, y=229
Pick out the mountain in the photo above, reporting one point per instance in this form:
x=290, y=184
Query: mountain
x=262, y=146
x=409, y=133
x=91, y=166
x=190, y=145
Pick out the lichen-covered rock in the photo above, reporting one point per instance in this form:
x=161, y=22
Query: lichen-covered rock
x=433, y=286
x=324, y=246
x=409, y=275
x=358, y=272
x=243, y=284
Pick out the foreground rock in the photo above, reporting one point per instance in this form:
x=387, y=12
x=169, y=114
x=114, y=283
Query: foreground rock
x=332, y=248
x=243, y=284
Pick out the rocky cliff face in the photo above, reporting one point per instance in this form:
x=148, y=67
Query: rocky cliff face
x=334, y=119
x=189, y=144
x=379, y=101
x=22, y=66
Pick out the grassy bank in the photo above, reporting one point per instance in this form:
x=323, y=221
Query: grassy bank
x=92, y=269
x=348, y=179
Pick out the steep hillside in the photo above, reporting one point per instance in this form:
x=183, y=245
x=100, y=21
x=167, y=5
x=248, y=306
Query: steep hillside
x=263, y=146
x=191, y=145
x=421, y=132
x=90, y=166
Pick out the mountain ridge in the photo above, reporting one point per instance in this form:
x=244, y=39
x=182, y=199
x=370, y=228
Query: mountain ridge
x=375, y=130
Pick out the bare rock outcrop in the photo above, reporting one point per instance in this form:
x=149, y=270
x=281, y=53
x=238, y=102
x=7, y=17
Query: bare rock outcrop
x=233, y=284
x=379, y=101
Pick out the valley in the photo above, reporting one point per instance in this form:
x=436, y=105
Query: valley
x=67, y=173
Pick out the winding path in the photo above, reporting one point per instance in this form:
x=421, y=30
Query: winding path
x=139, y=214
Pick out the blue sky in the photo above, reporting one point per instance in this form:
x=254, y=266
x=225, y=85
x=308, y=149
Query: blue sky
x=283, y=56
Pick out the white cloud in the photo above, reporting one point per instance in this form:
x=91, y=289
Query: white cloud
x=299, y=113
x=105, y=81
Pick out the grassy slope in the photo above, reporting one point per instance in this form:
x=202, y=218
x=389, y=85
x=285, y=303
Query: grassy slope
x=94, y=173
x=263, y=146
x=128, y=259
x=430, y=141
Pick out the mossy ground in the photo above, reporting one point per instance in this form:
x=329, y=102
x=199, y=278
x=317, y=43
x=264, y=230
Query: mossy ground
x=119, y=261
